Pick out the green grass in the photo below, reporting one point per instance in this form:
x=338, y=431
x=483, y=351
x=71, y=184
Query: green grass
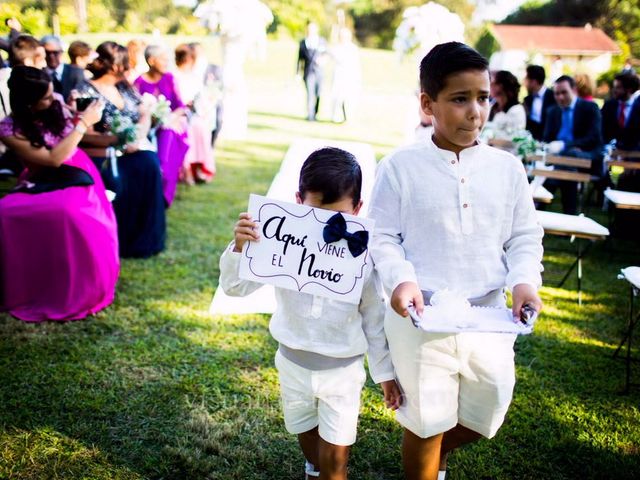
x=155, y=387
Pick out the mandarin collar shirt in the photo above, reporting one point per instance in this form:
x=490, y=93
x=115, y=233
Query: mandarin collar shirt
x=320, y=325
x=466, y=224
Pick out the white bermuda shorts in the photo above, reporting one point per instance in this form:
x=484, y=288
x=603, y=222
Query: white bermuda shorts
x=446, y=379
x=327, y=399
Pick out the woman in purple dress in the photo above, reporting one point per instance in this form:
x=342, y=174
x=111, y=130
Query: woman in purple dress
x=58, y=234
x=172, y=137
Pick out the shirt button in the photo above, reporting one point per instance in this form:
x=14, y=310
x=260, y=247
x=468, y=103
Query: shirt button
x=462, y=180
x=465, y=205
x=453, y=162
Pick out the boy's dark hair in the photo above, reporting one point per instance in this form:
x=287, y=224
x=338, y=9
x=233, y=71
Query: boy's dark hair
x=78, y=49
x=444, y=60
x=536, y=72
x=566, y=78
x=332, y=172
x=629, y=81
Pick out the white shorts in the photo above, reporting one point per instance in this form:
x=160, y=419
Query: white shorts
x=327, y=399
x=446, y=379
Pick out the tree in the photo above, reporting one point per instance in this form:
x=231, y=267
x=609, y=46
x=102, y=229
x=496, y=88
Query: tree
x=620, y=19
x=376, y=20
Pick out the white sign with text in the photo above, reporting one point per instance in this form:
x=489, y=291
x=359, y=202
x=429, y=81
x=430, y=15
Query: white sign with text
x=310, y=250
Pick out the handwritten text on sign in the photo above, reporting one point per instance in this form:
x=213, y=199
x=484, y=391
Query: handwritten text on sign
x=293, y=254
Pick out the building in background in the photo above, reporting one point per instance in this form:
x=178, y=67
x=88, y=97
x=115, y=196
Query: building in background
x=559, y=49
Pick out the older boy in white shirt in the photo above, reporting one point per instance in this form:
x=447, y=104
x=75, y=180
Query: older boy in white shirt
x=452, y=213
x=322, y=342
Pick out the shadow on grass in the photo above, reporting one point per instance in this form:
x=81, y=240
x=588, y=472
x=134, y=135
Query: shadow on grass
x=130, y=390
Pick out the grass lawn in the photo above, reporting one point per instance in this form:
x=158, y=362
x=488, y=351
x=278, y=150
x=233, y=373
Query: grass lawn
x=155, y=387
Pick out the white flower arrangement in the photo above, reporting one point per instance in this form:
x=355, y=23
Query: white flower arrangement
x=158, y=107
x=124, y=129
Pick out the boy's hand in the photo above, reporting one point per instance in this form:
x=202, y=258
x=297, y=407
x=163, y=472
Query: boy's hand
x=403, y=295
x=246, y=230
x=522, y=295
x=392, y=394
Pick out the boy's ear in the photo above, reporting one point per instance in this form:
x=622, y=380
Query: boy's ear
x=357, y=208
x=426, y=103
x=299, y=200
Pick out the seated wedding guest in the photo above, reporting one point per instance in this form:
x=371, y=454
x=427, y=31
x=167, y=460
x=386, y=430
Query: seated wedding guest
x=616, y=112
x=137, y=64
x=199, y=164
x=58, y=238
x=538, y=100
x=139, y=204
x=24, y=50
x=584, y=86
x=172, y=135
x=621, y=122
x=507, y=114
x=80, y=54
x=212, y=77
x=65, y=77
x=574, y=125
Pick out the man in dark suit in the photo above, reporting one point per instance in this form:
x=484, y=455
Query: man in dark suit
x=65, y=77
x=617, y=122
x=574, y=125
x=312, y=48
x=538, y=101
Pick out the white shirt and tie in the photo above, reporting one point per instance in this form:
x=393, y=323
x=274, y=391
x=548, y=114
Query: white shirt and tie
x=536, y=105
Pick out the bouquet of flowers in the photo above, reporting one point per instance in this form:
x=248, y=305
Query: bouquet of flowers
x=159, y=108
x=525, y=144
x=124, y=129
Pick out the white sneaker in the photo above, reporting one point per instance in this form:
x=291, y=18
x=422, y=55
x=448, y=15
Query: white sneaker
x=310, y=471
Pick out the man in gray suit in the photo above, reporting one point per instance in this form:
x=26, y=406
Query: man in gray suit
x=65, y=77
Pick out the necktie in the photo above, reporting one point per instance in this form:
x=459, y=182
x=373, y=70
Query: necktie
x=336, y=229
x=566, y=129
x=621, y=116
x=57, y=84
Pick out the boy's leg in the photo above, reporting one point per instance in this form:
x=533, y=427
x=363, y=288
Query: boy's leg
x=454, y=438
x=309, y=443
x=333, y=460
x=420, y=456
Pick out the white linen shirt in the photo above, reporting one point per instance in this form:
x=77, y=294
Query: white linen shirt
x=320, y=325
x=467, y=225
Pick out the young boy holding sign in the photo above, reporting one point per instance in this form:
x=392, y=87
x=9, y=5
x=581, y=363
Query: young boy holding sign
x=322, y=342
x=452, y=213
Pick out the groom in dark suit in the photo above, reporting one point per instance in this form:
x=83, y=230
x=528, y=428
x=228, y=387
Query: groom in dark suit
x=577, y=124
x=65, y=77
x=312, y=48
x=538, y=101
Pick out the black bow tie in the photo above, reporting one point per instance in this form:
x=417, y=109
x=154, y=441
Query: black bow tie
x=336, y=229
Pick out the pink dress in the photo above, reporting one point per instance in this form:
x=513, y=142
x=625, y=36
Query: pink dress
x=58, y=249
x=200, y=155
x=172, y=145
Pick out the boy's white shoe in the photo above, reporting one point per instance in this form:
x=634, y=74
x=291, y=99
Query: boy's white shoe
x=442, y=474
x=310, y=471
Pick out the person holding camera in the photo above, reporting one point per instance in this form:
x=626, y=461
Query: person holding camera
x=58, y=233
